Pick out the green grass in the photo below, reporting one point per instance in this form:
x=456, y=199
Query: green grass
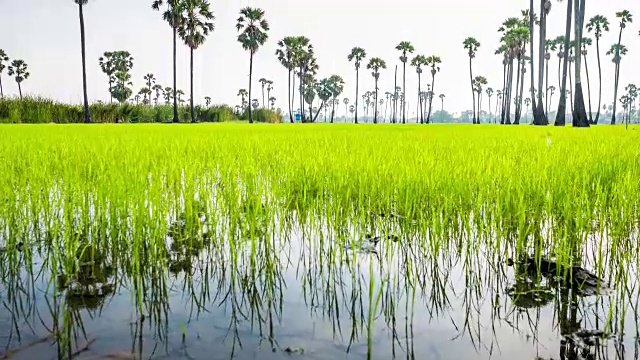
x=37, y=110
x=107, y=195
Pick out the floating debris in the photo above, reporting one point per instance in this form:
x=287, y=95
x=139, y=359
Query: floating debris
x=294, y=350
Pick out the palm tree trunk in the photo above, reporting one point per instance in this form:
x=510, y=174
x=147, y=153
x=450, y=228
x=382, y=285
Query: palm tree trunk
x=193, y=115
x=1, y=91
x=289, y=96
x=521, y=97
x=518, y=102
x=586, y=69
x=293, y=89
x=420, y=98
x=301, y=80
x=617, y=78
x=479, y=105
x=546, y=92
x=532, y=63
x=599, y=82
x=504, y=91
x=562, y=106
x=263, y=96
x=473, y=93
x=355, y=119
x=333, y=109
x=375, y=106
x=250, y=76
x=87, y=116
x=20, y=91
x=509, y=92
x=433, y=90
x=571, y=89
x=615, y=94
x=442, y=108
x=395, y=95
x=404, y=89
x=175, y=71
x=540, y=110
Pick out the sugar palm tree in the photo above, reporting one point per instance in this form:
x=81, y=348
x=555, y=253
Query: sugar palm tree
x=243, y=94
x=579, y=118
x=471, y=45
x=158, y=89
x=617, y=51
x=418, y=61
x=87, y=116
x=357, y=55
x=4, y=59
x=107, y=64
x=19, y=69
x=170, y=15
x=442, y=96
x=587, y=42
x=562, y=104
x=167, y=93
x=478, y=83
x=288, y=53
x=375, y=65
x=489, y=93
x=253, y=29
x=150, y=80
x=551, y=90
x=434, y=63
x=196, y=22
x=263, y=83
x=625, y=17
x=404, y=47
x=598, y=24
x=272, y=100
x=345, y=101
x=269, y=88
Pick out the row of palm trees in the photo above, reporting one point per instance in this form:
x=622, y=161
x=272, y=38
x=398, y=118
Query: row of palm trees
x=192, y=21
x=517, y=32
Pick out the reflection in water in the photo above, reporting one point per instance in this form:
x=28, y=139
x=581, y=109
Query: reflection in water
x=241, y=278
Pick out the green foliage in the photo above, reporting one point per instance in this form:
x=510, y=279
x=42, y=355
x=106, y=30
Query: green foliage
x=36, y=110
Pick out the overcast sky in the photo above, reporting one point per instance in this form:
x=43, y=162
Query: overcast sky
x=45, y=33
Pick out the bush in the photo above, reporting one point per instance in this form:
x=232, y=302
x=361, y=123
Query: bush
x=38, y=110
x=263, y=115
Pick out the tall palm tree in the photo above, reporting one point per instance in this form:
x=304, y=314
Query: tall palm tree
x=489, y=93
x=625, y=17
x=170, y=15
x=587, y=42
x=19, y=69
x=337, y=87
x=434, y=63
x=598, y=24
x=562, y=104
x=375, y=65
x=478, y=83
x=539, y=112
x=442, y=96
x=196, y=22
x=269, y=88
x=263, y=83
x=3, y=59
x=404, y=47
x=150, y=80
x=418, y=61
x=345, y=101
x=617, y=51
x=207, y=101
x=254, y=29
x=471, y=45
x=288, y=53
x=243, y=94
x=87, y=116
x=158, y=90
x=272, y=100
x=357, y=55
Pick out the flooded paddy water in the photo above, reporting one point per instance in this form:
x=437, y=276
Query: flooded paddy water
x=318, y=243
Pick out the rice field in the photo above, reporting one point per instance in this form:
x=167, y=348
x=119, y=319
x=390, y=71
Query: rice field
x=319, y=242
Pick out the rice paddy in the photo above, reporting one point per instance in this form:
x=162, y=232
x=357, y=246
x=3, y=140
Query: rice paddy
x=319, y=242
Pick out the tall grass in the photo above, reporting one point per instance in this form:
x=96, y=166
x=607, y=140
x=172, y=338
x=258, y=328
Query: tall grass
x=107, y=203
x=37, y=110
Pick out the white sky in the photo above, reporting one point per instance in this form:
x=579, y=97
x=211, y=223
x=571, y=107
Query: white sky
x=45, y=33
